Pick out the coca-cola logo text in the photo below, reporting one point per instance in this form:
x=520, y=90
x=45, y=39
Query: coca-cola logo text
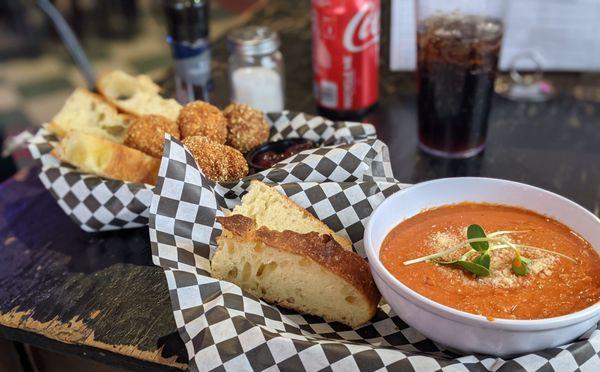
x=363, y=29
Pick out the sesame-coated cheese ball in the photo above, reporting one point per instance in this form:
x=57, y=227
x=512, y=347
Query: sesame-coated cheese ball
x=218, y=162
x=146, y=133
x=246, y=127
x=202, y=119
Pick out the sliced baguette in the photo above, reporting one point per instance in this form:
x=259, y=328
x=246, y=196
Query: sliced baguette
x=309, y=273
x=136, y=95
x=87, y=112
x=276, y=212
x=106, y=158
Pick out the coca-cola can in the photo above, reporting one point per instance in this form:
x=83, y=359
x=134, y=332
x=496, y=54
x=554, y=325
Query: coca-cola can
x=345, y=56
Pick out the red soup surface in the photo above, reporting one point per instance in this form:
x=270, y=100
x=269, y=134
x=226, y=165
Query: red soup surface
x=554, y=285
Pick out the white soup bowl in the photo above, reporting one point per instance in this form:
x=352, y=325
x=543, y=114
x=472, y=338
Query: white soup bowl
x=459, y=330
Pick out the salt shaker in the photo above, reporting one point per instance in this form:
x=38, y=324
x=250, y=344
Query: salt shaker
x=256, y=68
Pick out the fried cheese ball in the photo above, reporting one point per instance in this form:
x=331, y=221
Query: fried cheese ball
x=146, y=133
x=202, y=119
x=246, y=127
x=219, y=162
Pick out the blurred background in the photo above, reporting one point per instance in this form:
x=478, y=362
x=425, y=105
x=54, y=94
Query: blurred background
x=37, y=73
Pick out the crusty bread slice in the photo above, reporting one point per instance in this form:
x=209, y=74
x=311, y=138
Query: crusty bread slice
x=106, y=158
x=136, y=95
x=278, y=213
x=309, y=273
x=87, y=112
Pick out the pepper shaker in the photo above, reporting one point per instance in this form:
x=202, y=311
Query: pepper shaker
x=188, y=29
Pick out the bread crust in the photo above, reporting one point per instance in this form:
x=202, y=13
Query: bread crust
x=322, y=249
x=122, y=163
x=345, y=242
x=132, y=165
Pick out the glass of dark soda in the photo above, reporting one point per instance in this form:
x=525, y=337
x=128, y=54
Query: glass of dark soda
x=458, y=47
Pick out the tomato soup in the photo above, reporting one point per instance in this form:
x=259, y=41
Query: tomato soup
x=563, y=269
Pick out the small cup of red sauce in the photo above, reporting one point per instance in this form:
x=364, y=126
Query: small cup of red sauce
x=265, y=156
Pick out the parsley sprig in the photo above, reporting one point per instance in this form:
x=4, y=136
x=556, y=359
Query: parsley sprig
x=478, y=258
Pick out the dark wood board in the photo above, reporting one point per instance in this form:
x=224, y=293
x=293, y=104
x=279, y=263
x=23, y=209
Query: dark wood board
x=98, y=290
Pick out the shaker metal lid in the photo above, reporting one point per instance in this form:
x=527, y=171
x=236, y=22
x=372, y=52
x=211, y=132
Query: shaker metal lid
x=253, y=40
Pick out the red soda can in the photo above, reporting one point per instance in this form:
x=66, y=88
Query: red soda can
x=345, y=56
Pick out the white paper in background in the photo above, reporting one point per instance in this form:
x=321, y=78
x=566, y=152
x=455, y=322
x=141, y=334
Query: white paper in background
x=564, y=34
x=403, y=44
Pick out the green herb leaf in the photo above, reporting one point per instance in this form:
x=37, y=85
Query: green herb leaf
x=520, y=265
x=469, y=266
x=484, y=260
x=474, y=268
x=475, y=231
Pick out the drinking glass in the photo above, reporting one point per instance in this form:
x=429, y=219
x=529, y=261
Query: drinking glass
x=458, y=47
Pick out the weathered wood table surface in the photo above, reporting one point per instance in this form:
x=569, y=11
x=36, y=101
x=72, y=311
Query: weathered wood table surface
x=98, y=295
x=94, y=295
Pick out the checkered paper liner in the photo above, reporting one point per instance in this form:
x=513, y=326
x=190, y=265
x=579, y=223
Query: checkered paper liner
x=92, y=202
x=225, y=328
x=99, y=204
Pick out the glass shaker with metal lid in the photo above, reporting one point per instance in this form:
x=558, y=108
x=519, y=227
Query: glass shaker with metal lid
x=256, y=68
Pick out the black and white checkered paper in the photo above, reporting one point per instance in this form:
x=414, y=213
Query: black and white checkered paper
x=99, y=204
x=225, y=328
x=93, y=202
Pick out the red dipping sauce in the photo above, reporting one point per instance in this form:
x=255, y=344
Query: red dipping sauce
x=269, y=158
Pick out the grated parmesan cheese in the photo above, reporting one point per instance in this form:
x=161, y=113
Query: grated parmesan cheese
x=442, y=240
x=501, y=275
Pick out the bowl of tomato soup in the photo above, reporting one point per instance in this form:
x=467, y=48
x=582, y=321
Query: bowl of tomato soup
x=487, y=266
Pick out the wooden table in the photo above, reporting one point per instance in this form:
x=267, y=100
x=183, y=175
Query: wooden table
x=98, y=295
x=93, y=295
